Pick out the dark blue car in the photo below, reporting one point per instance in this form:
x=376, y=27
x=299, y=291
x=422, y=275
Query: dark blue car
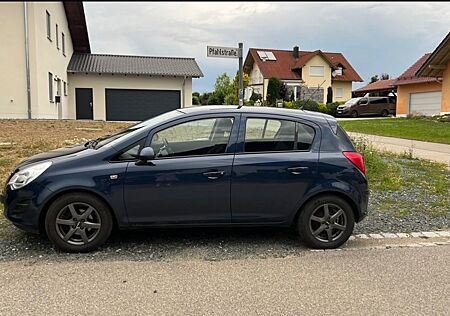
x=200, y=166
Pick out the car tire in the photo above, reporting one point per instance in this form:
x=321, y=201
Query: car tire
x=385, y=113
x=320, y=230
x=354, y=114
x=78, y=222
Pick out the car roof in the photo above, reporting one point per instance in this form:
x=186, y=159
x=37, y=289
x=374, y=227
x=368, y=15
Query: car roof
x=317, y=117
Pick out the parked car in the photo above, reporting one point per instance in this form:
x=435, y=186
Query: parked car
x=355, y=107
x=199, y=166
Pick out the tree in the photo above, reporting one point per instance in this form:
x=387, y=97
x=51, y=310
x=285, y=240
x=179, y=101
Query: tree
x=284, y=92
x=245, y=79
x=273, y=90
x=215, y=99
x=195, y=98
x=384, y=76
x=222, y=88
x=329, y=95
x=374, y=79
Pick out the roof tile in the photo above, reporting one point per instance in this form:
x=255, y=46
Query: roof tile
x=137, y=65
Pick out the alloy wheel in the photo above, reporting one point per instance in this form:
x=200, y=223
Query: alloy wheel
x=328, y=222
x=78, y=223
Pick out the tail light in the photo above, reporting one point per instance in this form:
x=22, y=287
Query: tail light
x=357, y=159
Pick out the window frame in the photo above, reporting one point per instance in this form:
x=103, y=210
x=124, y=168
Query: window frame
x=57, y=36
x=51, y=92
x=342, y=92
x=315, y=144
x=230, y=148
x=48, y=22
x=63, y=43
x=315, y=75
x=65, y=88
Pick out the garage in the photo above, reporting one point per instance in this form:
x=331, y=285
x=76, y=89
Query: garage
x=425, y=103
x=139, y=105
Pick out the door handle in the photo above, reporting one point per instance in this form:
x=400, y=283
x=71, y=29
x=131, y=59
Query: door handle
x=297, y=170
x=213, y=175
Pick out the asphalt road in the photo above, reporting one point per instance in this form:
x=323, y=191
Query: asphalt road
x=395, y=281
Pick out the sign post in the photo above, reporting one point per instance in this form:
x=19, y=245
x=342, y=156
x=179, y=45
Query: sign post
x=230, y=52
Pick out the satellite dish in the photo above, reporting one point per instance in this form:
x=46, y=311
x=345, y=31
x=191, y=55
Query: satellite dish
x=334, y=73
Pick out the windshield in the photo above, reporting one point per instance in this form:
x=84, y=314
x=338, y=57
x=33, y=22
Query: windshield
x=110, y=140
x=352, y=101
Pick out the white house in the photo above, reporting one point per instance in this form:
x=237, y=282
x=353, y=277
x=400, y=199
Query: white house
x=47, y=70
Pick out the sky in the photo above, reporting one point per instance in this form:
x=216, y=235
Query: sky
x=375, y=37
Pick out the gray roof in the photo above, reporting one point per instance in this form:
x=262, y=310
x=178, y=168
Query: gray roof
x=136, y=65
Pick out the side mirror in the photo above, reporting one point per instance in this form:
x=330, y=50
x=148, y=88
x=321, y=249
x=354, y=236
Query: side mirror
x=146, y=154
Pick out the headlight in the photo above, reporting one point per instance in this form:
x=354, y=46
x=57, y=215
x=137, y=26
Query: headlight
x=28, y=174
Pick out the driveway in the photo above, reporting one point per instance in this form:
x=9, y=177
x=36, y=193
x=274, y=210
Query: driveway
x=366, y=281
x=425, y=150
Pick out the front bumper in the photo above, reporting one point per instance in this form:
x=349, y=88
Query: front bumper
x=342, y=112
x=23, y=207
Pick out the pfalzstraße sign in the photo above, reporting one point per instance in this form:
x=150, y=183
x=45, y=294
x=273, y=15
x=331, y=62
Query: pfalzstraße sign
x=223, y=52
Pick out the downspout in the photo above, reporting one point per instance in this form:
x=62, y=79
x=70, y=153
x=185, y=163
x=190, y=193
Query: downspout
x=183, y=93
x=27, y=57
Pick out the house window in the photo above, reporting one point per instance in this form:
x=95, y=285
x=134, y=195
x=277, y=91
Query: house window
x=63, y=43
x=339, y=92
x=57, y=37
x=50, y=87
x=65, y=88
x=316, y=71
x=49, y=28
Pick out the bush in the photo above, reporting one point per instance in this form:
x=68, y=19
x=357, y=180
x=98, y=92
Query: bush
x=307, y=105
x=249, y=103
x=323, y=108
x=332, y=108
x=273, y=90
x=255, y=97
x=289, y=105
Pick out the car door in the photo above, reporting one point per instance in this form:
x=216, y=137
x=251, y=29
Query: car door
x=189, y=179
x=364, y=106
x=274, y=166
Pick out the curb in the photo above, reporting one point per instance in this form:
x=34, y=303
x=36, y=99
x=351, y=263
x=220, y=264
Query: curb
x=434, y=234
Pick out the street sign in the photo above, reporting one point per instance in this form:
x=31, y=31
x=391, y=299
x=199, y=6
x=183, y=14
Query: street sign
x=230, y=52
x=223, y=52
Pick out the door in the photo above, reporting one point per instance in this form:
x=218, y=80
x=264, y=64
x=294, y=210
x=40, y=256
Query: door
x=189, y=179
x=139, y=105
x=425, y=103
x=363, y=107
x=83, y=102
x=273, y=168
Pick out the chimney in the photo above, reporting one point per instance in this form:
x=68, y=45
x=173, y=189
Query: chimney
x=295, y=52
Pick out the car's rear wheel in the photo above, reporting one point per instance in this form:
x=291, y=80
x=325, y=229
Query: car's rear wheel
x=354, y=114
x=78, y=222
x=326, y=222
x=385, y=113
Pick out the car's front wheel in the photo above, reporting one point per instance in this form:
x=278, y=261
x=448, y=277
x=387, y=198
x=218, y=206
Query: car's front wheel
x=354, y=114
x=326, y=222
x=78, y=222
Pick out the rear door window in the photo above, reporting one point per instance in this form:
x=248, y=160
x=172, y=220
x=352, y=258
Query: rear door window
x=266, y=135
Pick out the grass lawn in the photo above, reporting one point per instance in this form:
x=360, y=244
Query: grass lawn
x=419, y=129
x=417, y=185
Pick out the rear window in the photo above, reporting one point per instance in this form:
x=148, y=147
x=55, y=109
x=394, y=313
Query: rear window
x=267, y=135
x=344, y=140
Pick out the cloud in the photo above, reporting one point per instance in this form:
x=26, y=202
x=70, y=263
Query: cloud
x=375, y=37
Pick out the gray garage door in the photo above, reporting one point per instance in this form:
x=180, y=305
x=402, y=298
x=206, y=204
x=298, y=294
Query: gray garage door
x=139, y=105
x=425, y=103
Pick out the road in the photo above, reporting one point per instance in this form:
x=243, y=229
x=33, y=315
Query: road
x=365, y=281
x=425, y=150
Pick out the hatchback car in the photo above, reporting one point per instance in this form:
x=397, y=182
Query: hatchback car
x=199, y=166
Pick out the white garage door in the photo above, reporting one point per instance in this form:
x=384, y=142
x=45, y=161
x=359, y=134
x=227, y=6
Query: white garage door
x=425, y=103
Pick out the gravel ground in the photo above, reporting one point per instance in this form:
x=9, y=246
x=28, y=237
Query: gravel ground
x=203, y=243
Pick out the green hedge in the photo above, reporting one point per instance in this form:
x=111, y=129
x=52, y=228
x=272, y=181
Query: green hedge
x=310, y=105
